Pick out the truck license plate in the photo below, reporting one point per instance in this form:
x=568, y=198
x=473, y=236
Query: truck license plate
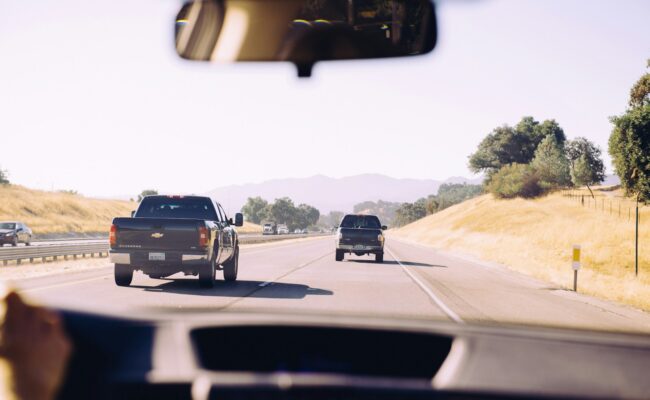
x=359, y=247
x=156, y=256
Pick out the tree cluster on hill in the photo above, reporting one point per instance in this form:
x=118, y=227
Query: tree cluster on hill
x=331, y=219
x=448, y=195
x=629, y=143
x=532, y=158
x=385, y=210
x=146, y=192
x=4, y=178
x=282, y=211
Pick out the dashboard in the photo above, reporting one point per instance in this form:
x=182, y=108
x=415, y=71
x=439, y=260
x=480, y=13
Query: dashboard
x=221, y=355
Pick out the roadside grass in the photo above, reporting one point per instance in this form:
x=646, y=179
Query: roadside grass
x=535, y=237
x=54, y=212
x=249, y=227
x=49, y=213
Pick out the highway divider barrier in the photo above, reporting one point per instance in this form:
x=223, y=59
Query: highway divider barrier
x=68, y=251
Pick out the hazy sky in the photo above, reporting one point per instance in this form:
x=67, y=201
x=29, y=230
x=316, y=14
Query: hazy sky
x=93, y=97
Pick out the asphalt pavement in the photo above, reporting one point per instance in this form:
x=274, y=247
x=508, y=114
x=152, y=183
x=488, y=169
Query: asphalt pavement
x=302, y=276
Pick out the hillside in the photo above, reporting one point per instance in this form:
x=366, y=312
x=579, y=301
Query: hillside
x=535, y=237
x=50, y=213
x=332, y=194
x=59, y=213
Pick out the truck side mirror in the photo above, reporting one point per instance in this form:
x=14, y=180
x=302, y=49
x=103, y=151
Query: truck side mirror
x=239, y=219
x=384, y=227
x=132, y=213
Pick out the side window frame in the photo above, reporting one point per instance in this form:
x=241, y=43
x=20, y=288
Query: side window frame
x=225, y=217
x=217, y=209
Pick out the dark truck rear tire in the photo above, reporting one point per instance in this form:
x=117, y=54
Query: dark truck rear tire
x=379, y=257
x=123, y=275
x=339, y=255
x=231, y=267
x=206, y=276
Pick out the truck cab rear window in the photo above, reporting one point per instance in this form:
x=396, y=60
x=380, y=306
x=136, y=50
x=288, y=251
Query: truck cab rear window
x=185, y=207
x=360, y=221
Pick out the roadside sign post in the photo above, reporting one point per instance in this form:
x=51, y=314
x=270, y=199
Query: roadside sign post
x=576, y=266
x=636, y=240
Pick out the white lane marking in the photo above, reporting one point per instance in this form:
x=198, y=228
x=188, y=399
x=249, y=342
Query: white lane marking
x=61, y=284
x=448, y=311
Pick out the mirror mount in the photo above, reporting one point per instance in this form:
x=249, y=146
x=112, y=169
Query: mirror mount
x=304, y=69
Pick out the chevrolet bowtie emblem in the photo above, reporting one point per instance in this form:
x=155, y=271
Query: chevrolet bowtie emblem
x=157, y=235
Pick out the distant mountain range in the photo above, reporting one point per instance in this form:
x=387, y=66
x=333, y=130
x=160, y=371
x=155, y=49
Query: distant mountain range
x=333, y=194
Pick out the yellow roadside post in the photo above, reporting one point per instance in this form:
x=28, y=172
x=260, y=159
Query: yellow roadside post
x=576, y=266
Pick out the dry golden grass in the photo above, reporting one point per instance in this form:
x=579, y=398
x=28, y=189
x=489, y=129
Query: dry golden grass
x=250, y=227
x=53, y=212
x=536, y=237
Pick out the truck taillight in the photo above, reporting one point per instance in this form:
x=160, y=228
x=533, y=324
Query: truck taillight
x=203, y=236
x=112, y=236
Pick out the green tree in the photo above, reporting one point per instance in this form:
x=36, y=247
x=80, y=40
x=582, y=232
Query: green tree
x=587, y=167
x=629, y=146
x=310, y=214
x=147, y=192
x=551, y=164
x=282, y=211
x=255, y=209
x=4, y=178
x=410, y=212
x=507, y=145
x=640, y=92
x=515, y=180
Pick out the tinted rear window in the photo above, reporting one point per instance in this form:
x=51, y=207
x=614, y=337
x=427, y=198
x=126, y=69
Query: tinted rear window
x=183, y=207
x=360, y=221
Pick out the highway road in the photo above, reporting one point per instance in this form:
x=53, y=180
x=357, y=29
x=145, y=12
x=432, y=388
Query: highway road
x=302, y=276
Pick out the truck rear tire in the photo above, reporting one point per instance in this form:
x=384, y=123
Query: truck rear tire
x=206, y=276
x=231, y=267
x=339, y=255
x=379, y=257
x=123, y=274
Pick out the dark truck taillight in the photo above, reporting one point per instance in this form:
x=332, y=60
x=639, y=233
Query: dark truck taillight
x=203, y=236
x=112, y=236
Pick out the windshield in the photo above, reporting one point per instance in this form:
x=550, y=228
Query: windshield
x=507, y=164
x=7, y=225
x=360, y=221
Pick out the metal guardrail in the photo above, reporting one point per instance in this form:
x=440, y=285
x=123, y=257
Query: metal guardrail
x=53, y=251
x=66, y=251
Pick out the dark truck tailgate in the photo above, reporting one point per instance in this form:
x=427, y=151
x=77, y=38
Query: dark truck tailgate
x=166, y=234
x=366, y=237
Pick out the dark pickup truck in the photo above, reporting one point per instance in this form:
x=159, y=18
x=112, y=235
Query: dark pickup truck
x=360, y=234
x=171, y=234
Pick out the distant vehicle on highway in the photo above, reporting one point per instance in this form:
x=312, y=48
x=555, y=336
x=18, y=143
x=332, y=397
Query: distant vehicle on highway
x=13, y=232
x=270, y=228
x=304, y=231
x=360, y=235
x=297, y=231
x=171, y=234
x=283, y=229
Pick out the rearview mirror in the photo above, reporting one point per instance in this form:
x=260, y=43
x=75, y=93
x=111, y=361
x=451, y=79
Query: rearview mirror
x=384, y=227
x=239, y=219
x=304, y=31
